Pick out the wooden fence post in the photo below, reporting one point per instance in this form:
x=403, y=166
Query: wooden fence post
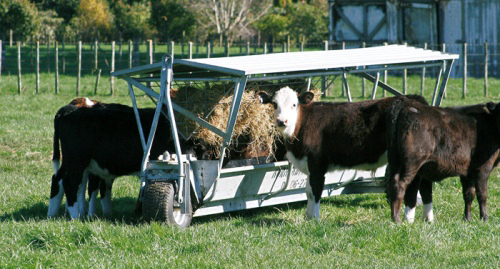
x=248, y=48
x=444, y=67
x=227, y=48
x=343, y=87
x=241, y=45
x=405, y=75
x=422, y=79
x=265, y=47
x=1, y=46
x=486, y=69
x=301, y=46
x=48, y=55
x=208, y=49
x=190, y=48
x=96, y=57
x=323, y=78
x=130, y=54
x=150, y=51
x=63, y=58
x=464, y=84
x=79, y=67
x=363, y=81
x=37, y=66
x=11, y=34
x=19, y=80
x=385, y=74
x=56, y=47
x=97, y=80
x=112, y=90
x=172, y=48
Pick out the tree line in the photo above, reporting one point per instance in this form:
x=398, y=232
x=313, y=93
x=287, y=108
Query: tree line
x=164, y=20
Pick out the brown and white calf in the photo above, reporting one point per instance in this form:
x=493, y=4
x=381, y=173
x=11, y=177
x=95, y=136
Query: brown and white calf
x=101, y=141
x=323, y=136
x=429, y=144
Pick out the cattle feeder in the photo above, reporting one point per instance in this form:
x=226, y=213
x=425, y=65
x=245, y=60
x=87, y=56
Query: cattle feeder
x=175, y=190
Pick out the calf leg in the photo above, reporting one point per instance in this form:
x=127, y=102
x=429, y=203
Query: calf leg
x=396, y=189
x=93, y=190
x=482, y=195
x=74, y=187
x=410, y=199
x=105, y=189
x=426, y=193
x=56, y=194
x=314, y=188
x=469, y=192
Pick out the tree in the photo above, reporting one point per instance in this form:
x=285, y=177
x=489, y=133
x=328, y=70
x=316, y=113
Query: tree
x=171, y=19
x=274, y=24
x=132, y=20
x=65, y=9
x=309, y=23
x=230, y=17
x=94, y=19
x=21, y=16
x=49, y=24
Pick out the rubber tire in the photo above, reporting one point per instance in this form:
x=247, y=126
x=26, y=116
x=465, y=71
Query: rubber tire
x=159, y=204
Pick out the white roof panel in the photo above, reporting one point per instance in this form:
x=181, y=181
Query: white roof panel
x=307, y=61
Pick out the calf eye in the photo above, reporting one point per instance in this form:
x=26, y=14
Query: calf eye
x=294, y=105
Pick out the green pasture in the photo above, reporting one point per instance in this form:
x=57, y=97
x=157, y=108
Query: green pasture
x=355, y=231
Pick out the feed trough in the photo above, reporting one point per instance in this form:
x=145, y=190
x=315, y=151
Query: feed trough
x=175, y=190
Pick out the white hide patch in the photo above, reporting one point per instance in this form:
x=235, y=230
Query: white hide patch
x=428, y=214
x=55, y=201
x=56, y=165
x=300, y=164
x=410, y=214
x=103, y=173
x=382, y=160
x=286, y=110
x=312, y=210
x=89, y=102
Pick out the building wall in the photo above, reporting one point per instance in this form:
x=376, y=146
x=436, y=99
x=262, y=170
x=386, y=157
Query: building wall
x=456, y=22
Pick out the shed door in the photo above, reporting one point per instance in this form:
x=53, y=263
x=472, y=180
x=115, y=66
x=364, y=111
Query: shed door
x=419, y=23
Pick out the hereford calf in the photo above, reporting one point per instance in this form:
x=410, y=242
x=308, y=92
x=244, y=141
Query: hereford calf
x=323, y=136
x=430, y=143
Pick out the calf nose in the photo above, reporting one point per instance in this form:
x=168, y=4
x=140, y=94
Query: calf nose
x=280, y=123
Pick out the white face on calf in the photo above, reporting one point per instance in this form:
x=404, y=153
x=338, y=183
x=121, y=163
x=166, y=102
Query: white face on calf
x=286, y=110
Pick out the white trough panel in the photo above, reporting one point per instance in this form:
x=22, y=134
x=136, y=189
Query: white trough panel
x=246, y=187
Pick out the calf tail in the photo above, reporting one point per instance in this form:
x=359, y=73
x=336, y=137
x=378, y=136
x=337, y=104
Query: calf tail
x=392, y=134
x=56, y=155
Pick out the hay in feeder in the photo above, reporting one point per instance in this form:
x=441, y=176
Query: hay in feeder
x=254, y=131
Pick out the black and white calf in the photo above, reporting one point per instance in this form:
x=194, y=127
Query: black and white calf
x=323, y=136
x=429, y=144
x=101, y=141
x=94, y=181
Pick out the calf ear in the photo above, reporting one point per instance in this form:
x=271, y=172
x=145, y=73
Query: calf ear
x=491, y=106
x=306, y=97
x=263, y=97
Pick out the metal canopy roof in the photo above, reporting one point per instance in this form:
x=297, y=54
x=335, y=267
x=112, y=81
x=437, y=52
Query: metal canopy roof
x=298, y=61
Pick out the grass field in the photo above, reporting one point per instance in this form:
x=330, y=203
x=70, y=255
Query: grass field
x=355, y=231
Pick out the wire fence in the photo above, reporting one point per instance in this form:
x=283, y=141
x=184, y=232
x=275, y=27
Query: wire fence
x=100, y=59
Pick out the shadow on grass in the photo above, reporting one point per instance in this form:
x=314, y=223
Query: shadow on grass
x=124, y=212
x=363, y=201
